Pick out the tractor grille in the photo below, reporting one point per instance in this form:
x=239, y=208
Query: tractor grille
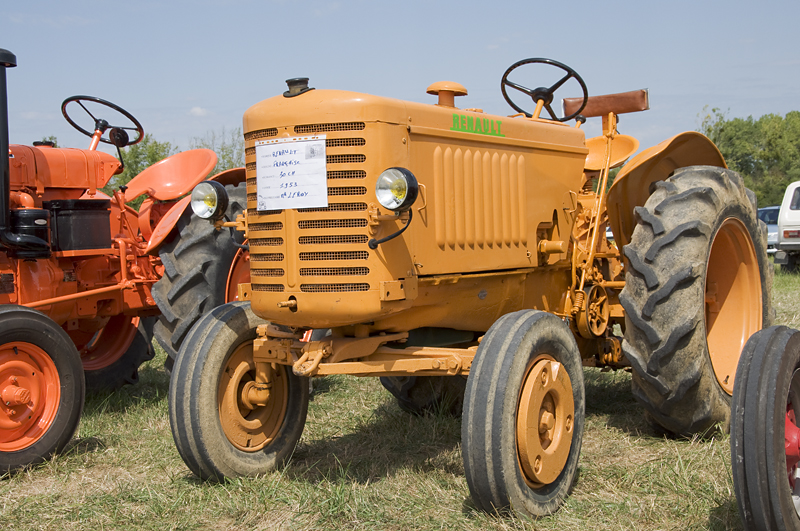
x=316, y=250
x=329, y=128
x=333, y=271
x=333, y=288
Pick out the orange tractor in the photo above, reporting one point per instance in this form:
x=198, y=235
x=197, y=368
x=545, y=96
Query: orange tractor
x=459, y=254
x=78, y=270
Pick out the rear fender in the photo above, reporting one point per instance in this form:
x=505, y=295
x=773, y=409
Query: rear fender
x=632, y=185
x=170, y=219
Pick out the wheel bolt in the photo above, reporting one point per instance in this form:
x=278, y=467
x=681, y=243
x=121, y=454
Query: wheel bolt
x=546, y=421
x=15, y=396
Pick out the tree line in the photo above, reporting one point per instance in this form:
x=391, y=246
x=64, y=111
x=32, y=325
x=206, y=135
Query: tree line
x=228, y=145
x=765, y=151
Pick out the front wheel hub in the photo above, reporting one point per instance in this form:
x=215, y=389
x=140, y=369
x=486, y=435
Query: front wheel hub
x=545, y=421
x=251, y=412
x=31, y=391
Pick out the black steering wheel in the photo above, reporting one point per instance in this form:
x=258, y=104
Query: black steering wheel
x=544, y=94
x=120, y=137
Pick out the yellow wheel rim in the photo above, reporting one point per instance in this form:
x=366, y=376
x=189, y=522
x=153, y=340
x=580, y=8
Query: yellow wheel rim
x=732, y=299
x=247, y=426
x=545, y=421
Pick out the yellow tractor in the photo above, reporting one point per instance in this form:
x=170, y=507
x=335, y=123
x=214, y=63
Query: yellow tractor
x=463, y=257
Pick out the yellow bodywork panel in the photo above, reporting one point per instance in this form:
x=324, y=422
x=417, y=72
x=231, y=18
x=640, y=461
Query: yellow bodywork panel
x=488, y=184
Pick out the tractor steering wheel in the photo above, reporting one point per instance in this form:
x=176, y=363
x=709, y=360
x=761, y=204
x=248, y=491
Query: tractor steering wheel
x=103, y=125
x=544, y=94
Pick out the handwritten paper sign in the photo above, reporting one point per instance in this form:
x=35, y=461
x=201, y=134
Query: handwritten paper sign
x=290, y=173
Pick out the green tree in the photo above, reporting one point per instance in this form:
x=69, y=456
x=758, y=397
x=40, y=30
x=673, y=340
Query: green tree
x=766, y=151
x=228, y=145
x=50, y=138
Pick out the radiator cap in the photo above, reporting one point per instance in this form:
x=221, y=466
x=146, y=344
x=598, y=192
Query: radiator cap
x=297, y=86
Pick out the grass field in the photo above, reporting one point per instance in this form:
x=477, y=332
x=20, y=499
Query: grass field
x=364, y=464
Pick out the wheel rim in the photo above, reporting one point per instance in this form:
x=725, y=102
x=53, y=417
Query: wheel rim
x=31, y=392
x=250, y=427
x=110, y=343
x=732, y=299
x=239, y=274
x=791, y=436
x=545, y=421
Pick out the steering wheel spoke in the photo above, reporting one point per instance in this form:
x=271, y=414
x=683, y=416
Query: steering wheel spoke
x=557, y=85
x=524, y=90
x=101, y=124
x=545, y=95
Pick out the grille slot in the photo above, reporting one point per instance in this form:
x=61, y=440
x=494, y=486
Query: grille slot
x=333, y=288
x=267, y=272
x=333, y=271
x=268, y=257
x=324, y=128
x=346, y=159
x=334, y=255
x=347, y=190
x=337, y=207
x=273, y=225
x=252, y=181
x=261, y=133
x=331, y=223
x=250, y=166
x=338, y=238
x=347, y=174
x=344, y=142
x=275, y=288
x=271, y=242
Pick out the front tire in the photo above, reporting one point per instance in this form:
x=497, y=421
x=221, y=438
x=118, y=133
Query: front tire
x=765, y=438
x=41, y=381
x=218, y=432
x=523, y=418
x=697, y=286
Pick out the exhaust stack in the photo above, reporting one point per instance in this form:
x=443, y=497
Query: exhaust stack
x=21, y=245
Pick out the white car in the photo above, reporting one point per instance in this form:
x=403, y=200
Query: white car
x=788, y=255
x=769, y=215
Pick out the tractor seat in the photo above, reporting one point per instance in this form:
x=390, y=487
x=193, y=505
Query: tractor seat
x=172, y=177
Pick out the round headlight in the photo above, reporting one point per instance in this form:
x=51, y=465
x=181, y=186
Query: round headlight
x=209, y=200
x=397, y=189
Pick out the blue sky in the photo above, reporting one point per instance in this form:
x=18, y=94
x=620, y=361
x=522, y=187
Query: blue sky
x=187, y=68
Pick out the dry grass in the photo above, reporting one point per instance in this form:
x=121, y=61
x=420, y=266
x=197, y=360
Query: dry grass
x=364, y=464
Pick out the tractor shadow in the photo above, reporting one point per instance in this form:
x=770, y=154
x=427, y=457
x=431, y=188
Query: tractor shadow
x=388, y=441
x=152, y=388
x=610, y=402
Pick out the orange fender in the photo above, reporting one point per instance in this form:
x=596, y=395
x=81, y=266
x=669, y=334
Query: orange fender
x=172, y=177
x=170, y=219
x=631, y=188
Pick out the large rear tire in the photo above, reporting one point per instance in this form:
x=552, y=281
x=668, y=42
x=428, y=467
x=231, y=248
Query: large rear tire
x=113, y=355
x=218, y=431
x=41, y=383
x=196, y=266
x=697, y=286
x=523, y=418
x=765, y=438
